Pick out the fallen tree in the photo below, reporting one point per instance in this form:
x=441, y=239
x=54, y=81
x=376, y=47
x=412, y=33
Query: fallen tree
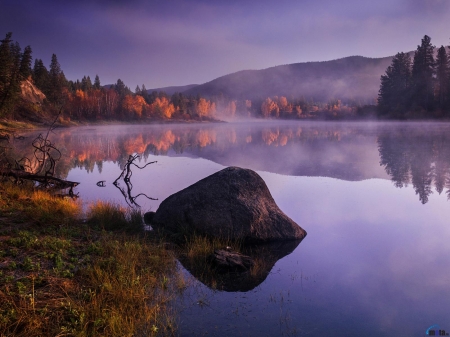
x=41, y=168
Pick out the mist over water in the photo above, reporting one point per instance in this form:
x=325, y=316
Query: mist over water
x=373, y=198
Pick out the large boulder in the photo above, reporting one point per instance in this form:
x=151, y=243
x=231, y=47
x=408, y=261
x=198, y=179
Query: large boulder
x=233, y=203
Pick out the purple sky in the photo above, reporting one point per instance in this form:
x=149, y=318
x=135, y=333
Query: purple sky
x=178, y=42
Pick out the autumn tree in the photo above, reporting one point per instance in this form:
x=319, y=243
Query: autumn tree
x=206, y=108
x=132, y=106
x=270, y=107
x=162, y=107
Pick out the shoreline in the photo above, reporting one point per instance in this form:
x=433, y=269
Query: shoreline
x=60, y=273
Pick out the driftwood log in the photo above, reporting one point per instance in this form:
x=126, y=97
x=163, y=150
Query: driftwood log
x=44, y=181
x=42, y=171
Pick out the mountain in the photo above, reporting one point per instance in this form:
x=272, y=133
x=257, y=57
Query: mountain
x=171, y=90
x=350, y=78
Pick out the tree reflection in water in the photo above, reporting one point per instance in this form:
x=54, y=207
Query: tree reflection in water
x=418, y=157
x=408, y=153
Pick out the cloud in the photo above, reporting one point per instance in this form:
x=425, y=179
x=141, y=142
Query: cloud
x=176, y=42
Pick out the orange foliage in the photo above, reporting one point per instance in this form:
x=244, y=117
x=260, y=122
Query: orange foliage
x=133, y=105
x=135, y=145
x=205, y=108
x=283, y=103
x=270, y=136
x=205, y=137
x=269, y=107
x=162, y=107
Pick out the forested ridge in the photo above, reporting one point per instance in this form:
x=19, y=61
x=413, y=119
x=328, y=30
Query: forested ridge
x=417, y=88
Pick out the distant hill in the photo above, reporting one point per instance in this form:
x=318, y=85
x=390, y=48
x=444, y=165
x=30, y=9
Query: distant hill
x=171, y=90
x=349, y=78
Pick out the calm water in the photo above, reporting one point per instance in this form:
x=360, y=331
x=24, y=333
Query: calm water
x=373, y=198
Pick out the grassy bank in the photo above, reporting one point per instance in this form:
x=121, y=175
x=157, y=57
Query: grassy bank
x=63, y=276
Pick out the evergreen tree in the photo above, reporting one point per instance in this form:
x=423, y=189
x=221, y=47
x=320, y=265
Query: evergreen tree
x=40, y=75
x=10, y=55
x=393, y=96
x=77, y=85
x=121, y=88
x=144, y=93
x=56, y=82
x=442, y=76
x=97, y=82
x=5, y=61
x=25, y=63
x=86, y=84
x=422, y=74
x=137, y=91
x=178, y=100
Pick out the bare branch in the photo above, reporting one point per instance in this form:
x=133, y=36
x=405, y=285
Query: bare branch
x=126, y=176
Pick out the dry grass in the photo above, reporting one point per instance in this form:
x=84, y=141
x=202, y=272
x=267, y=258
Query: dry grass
x=112, y=217
x=199, y=246
x=60, y=277
x=11, y=124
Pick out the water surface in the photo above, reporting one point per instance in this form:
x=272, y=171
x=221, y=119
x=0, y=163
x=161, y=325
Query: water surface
x=373, y=198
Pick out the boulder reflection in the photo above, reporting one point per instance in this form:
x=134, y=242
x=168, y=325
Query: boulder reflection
x=265, y=256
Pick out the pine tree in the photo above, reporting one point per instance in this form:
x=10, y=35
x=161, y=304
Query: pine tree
x=137, y=91
x=10, y=55
x=144, y=93
x=57, y=82
x=122, y=89
x=97, y=82
x=25, y=63
x=422, y=74
x=394, y=93
x=442, y=76
x=86, y=83
x=40, y=75
x=5, y=61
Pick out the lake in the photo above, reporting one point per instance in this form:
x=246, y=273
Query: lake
x=372, y=196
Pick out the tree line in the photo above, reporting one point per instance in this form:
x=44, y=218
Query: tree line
x=409, y=88
x=84, y=99
x=88, y=100
x=417, y=88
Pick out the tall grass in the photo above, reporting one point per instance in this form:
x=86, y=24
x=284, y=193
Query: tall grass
x=27, y=205
x=64, y=277
x=113, y=217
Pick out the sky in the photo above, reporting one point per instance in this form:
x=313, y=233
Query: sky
x=163, y=43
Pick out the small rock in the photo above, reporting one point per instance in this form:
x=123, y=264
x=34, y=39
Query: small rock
x=227, y=260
